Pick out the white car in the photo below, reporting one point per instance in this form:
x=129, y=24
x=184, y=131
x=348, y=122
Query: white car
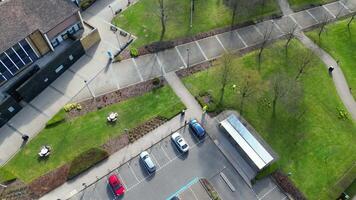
x=180, y=142
x=147, y=161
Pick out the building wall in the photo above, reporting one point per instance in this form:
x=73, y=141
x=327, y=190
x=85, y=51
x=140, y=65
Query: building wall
x=38, y=42
x=63, y=26
x=90, y=39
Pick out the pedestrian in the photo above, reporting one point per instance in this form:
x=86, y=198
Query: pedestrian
x=331, y=69
x=25, y=137
x=182, y=113
x=205, y=108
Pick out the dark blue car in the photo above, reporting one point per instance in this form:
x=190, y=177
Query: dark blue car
x=198, y=130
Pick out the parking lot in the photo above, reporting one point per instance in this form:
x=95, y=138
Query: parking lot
x=175, y=173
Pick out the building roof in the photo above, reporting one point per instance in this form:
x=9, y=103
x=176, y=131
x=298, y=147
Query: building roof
x=19, y=18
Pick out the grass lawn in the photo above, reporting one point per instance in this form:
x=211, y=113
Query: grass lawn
x=71, y=138
x=341, y=44
x=313, y=143
x=142, y=20
x=302, y=4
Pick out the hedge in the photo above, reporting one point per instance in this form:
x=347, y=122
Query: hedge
x=86, y=160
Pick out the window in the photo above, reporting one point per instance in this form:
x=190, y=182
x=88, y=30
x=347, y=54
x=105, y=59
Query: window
x=55, y=42
x=14, y=58
x=22, y=54
x=29, y=50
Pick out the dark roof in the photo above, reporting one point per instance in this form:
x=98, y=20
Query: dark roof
x=19, y=18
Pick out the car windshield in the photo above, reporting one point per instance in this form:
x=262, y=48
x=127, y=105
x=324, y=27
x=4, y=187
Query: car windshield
x=184, y=146
x=117, y=186
x=199, y=128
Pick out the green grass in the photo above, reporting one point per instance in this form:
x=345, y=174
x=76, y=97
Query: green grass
x=141, y=19
x=6, y=175
x=316, y=147
x=341, y=44
x=303, y=4
x=70, y=139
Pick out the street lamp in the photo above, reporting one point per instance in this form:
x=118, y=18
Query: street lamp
x=91, y=92
x=112, y=10
x=188, y=57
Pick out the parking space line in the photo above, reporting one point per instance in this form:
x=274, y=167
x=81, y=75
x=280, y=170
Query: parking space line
x=242, y=40
x=278, y=27
x=165, y=153
x=216, y=36
x=122, y=180
x=136, y=67
x=284, y=197
x=317, y=21
x=258, y=30
x=154, y=158
x=195, y=196
x=295, y=21
x=345, y=6
x=269, y=191
x=180, y=56
x=196, y=42
x=160, y=65
x=133, y=172
x=327, y=10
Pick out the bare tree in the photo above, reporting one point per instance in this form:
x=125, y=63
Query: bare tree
x=266, y=37
x=350, y=21
x=289, y=36
x=305, y=63
x=162, y=14
x=249, y=84
x=322, y=27
x=225, y=76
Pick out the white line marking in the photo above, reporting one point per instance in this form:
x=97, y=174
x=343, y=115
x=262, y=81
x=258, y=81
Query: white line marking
x=132, y=171
x=258, y=30
x=295, y=21
x=180, y=56
x=317, y=21
x=195, y=196
x=243, y=41
x=216, y=36
x=347, y=8
x=136, y=67
x=284, y=197
x=160, y=65
x=201, y=50
x=269, y=191
x=154, y=158
x=277, y=26
x=327, y=10
x=165, y=153
x=122, y=180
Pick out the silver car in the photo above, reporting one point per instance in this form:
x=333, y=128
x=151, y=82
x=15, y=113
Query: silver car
x=180, y=142
x=147, y=161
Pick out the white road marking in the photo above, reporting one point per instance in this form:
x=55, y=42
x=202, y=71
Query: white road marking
x=132, y=171
x=216, y=36
x=238, y=35
x=327, y=10
x=180, y=56
x=345, y=6
x=136, y=67
x=195, y=196
x=160, y=65
x=278, y=27
x=269, y=191
x=295, y=21
x=258, y=30
x=154, y=158
x=317, y=21
x=121, y=179
x=201, y=50
x=165, y=153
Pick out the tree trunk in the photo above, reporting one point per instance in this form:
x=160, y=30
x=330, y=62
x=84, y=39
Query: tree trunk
x=274, y=103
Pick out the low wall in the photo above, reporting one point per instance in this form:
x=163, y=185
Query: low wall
x=91, y=38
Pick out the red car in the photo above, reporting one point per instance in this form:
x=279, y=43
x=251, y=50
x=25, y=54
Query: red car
x=116, y=185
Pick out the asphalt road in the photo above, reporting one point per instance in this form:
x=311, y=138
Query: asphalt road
x=176, y=172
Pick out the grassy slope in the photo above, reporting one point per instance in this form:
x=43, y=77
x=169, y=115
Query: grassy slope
x=142, y=20
x=318, y=148
x=342, y=46
x=91, y=130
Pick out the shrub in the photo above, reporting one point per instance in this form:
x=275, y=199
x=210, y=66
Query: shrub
x=134, y=52
x=86, y=160
x=156, y=82
x=71, y=106
x=159, y=46
x=6, y=176
x=57, y=119
x=267, y=171
x=117, y=58
x=342, y=113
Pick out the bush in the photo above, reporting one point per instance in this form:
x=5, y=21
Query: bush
x=267, y=171
x=159, y=46
x=72, y=106
x=57, y=119
x=117, y=58
x=342, y=114
x=6, y=176
x=134, y=52
x=86, y=160
x=156, y=82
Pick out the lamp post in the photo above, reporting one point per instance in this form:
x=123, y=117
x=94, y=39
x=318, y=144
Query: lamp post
x=112, y=10
x=91, y=92
x=188, y=52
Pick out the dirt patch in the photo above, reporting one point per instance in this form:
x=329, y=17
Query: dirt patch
x=114, y=97
x=145, y=128
x=16, y=190
x=49, y=181
x=209, y=189
x=194, y=69
x=115, y=144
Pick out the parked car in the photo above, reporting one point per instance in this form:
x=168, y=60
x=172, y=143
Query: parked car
x=116, y=185
x=197, y=128
x=181, y=144
x=147, y=161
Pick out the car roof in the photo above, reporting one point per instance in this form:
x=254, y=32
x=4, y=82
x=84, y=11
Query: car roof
x=149, y=162
x=113, y=179
x=143, y=154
